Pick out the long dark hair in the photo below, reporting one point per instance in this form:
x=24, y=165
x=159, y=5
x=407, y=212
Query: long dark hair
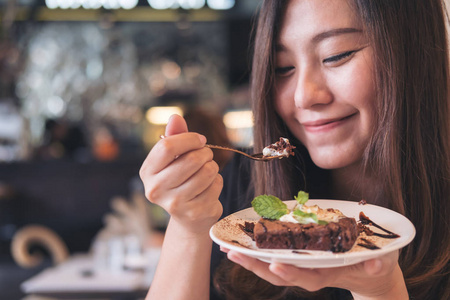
x=410, y=149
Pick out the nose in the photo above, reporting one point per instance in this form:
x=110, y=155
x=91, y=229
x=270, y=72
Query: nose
x=311, y=90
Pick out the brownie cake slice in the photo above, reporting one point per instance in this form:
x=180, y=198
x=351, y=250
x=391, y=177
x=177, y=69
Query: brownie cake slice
x=303, y=227
x=337, y=236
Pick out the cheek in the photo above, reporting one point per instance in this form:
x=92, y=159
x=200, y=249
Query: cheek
x=359, y=91
x=366, y=99
x=283, y=102
x=279, y=107
x=365, y=85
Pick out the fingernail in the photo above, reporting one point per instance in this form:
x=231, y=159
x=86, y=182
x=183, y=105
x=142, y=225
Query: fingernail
x=234, y=257
x=202, y=138
x=170, y=118
x=373, y=266
x=277, y=269
x=377, y=265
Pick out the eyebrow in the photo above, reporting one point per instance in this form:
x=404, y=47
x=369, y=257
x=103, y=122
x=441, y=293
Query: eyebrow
x=324, y=35
x=334, y=32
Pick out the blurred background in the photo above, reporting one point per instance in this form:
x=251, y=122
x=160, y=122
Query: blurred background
x=86, y=88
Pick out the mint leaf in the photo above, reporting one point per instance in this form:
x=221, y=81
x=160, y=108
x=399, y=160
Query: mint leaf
x=302, y=197
x=269, y=207
x=305, y=218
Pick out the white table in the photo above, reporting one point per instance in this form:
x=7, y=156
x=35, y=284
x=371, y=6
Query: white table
x=79, y=278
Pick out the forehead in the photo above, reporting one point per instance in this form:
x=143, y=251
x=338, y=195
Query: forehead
x=307, y=18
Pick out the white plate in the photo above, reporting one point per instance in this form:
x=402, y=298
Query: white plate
x=228, y=234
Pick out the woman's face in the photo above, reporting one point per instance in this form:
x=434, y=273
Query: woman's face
x=324, y=87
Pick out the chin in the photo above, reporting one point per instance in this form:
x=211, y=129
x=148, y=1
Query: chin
x=329, y=165
x=333, y=161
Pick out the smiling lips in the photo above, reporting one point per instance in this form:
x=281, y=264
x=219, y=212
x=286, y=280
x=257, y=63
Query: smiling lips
x=323, y=125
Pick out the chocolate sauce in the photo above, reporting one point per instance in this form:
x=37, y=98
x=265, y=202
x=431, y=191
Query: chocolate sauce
x=237, y=242
x=366, y=221
x=300, y=252
x=247, y=228
x=368, y=244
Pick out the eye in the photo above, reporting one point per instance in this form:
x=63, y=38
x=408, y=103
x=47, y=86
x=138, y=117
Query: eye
x=283, y=70
x=339, y=57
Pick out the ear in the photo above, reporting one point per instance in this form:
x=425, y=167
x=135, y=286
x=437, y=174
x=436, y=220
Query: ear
x=176, y=125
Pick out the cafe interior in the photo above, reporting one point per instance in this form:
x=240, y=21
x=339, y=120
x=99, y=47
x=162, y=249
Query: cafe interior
x=87, y=87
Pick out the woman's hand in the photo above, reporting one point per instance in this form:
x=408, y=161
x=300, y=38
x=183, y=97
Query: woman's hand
x=180, y=175
x=379, y=278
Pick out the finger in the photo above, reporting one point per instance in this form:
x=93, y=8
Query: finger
x=202, y=211
x=195, y=207
x=209, y=193
x=381, y=265
x=261, y=269
x=207, y=203
x=309, y=279
x=170, y=148
x=184, y=178
x=176, y=125
x=373, y=266
x=200, y=181
x=176, y=185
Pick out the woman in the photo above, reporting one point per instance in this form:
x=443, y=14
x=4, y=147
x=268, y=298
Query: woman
x=363, y=86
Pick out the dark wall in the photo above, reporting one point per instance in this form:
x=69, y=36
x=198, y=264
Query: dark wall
x=69, y=197
x=239, y=51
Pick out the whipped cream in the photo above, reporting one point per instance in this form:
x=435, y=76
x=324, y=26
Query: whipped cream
x=280, y=148
x=290, y=218
x=327, y=215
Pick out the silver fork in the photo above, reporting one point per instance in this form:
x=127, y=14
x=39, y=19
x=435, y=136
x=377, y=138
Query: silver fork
x=256, y=156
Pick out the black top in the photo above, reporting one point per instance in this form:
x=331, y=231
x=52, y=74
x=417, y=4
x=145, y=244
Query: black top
x=238, y=193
